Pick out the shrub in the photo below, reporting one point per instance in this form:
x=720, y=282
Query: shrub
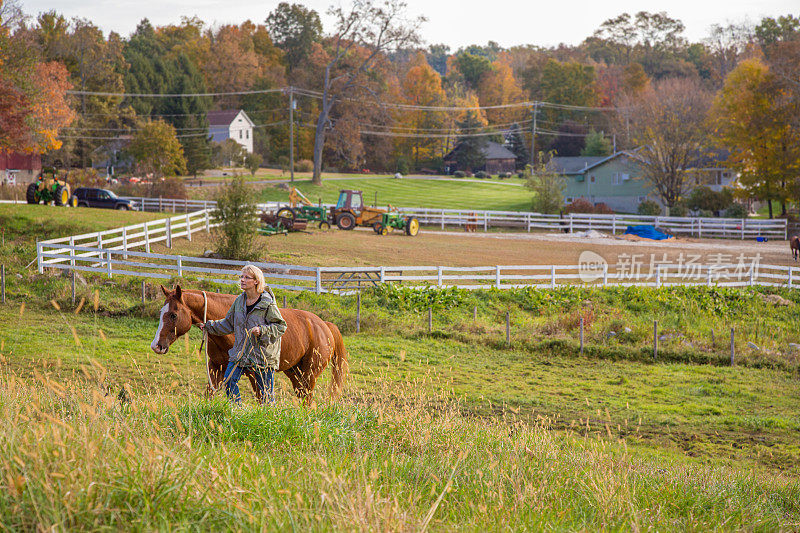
x=236, y=212
x=468, y=173
x=649, y=208
x=252, y=162
x=678, y=210
x=521, y=175
x=481, y=174
x=85, y=177
x=459, y=174
x=736, y=210
x=579, y=205
x=704, y=199
x=304, y=165
x=603, y=209
x=402, y=165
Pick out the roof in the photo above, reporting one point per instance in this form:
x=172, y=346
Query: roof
x=225, y=117
x=573, y=165
x=491, y=150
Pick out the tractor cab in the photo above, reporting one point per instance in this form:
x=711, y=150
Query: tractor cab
x=350, y=200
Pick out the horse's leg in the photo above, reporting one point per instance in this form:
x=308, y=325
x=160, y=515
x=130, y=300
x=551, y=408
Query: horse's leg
x=217, y=373
x=311, y=366
x=298, y=382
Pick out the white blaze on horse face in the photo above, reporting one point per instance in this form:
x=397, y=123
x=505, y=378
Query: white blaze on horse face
x=154, y=344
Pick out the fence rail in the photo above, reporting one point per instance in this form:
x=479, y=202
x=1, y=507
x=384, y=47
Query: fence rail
x=737, y=228
x=343, y=280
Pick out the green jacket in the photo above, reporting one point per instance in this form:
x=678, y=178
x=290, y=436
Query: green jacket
x=249, y=350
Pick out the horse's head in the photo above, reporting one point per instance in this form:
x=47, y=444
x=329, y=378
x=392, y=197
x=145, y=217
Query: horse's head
x=174, y=321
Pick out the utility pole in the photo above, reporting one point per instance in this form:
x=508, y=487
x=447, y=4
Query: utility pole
x=535, y=112
x=291, y=133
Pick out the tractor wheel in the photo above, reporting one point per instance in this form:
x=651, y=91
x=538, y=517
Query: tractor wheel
x=286, y=212
x=383, y=230
x=324, y=225
x=412, y=226
x=376, y=227
x=346, y=221
x=61, y=196
x=73, y=202
x=31, y=195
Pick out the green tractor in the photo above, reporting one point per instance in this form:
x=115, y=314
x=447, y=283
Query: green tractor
x=390, y=221
x=49, y=188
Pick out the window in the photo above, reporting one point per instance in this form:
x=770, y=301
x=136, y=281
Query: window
x=591, y=179
x=240, y=134
x=642, y=199
x=568, y=199
x=246, y=134
x=355, y=202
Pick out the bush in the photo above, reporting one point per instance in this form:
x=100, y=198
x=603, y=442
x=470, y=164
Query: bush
x=402, y=165
x=504, y=175
x=459, y=174
x=252, y=162
x=304, y=165
x=482, y=175
x=85, y=177
x=705, y=199
x=649, y=208
x=736, y=210
x=603, y=209
x=580, y=205
x=237, y=212
x=678, y=210
x=521, y=175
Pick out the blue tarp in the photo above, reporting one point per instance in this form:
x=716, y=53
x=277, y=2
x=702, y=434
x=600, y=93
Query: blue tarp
x=647, y=232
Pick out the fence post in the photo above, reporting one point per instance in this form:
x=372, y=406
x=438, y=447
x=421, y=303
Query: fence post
x=699, y=228
x=208, y=222
x=552, y=276
x=528, y=221
x=72, y=252
x=144, y=291
x=169, y=233
x=108, y=264
x=743, y=229
x=497, y=276
x=100, y=239
x=358, y=312
x=613, y=224
x=508, y=328
x=284, y=301
x=439, y=276
x=605, y=274
x=430, y=320
x=3, y=283
x=188, y=228
x=732, y=346
x=142, y=204
x=180, y=267
x=319, y=281
x=125, y=241
x=39, y=258
x=751, y=276
x=173, y=205
x=383, y=274
x=570, y=222
x=485, y=221
x=581, y=335
x=442, y=215
x=160, y=203
x=655, y=339
x=475, y=314
x=790, y=277
x=72, y=272
x=146, y=239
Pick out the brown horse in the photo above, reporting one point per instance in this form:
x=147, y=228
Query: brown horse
x=307, y=346
x=794, y=245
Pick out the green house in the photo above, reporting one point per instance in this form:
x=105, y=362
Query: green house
x=614, y=180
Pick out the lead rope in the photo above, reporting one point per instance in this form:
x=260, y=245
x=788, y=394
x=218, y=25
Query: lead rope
x=205, y=344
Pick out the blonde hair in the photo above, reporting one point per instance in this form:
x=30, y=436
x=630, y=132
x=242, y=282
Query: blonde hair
x=258, y=275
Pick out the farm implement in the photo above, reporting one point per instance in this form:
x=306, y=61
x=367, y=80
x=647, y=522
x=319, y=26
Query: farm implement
x=350, y=212
x=302, y=209
x=49, y=188
x=273, y=224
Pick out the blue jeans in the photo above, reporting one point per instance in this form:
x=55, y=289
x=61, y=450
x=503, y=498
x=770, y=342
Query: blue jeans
x=265, y=380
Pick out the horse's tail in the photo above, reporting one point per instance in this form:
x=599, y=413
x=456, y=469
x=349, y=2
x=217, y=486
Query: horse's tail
x=340, y=366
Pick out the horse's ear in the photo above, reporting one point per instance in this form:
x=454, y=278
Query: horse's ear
x=177, y=292
x=165, y=291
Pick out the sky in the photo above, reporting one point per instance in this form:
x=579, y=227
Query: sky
x=456, y=23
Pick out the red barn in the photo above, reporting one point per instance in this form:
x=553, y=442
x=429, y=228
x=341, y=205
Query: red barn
x=24, y=166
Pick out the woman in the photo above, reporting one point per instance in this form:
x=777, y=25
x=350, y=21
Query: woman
x=257, y=325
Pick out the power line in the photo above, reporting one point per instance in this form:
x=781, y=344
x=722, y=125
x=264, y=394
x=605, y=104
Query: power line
x=173, y=95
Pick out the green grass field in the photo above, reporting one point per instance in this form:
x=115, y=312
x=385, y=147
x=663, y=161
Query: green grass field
x=416, y=193
x=441, y=430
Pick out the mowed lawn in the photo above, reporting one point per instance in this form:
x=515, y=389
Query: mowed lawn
x=440, y=194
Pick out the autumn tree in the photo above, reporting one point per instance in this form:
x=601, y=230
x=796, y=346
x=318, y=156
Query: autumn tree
x=365, y=25
x=156, y=150
x=754, y=118
x=294, y=28
x=421, y=86
x=498, y=87
x=667, y=122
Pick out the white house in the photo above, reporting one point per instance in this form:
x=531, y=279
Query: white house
x=231, y=124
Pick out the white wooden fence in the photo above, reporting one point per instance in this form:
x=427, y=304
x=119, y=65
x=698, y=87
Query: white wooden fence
x=730, y=228
x=116, y=260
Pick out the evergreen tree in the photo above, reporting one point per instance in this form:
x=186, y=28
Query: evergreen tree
x=596, y=145
x=516, y=143
x=469, y=150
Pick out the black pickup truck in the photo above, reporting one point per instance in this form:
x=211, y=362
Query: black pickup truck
x=89, y=197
